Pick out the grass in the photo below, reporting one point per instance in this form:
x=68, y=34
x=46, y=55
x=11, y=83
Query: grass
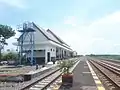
x=116, y=57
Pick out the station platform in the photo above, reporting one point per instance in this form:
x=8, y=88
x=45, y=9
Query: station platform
x=43, y=71
x=83, y=78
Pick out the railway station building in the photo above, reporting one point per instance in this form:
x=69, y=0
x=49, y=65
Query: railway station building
x=48, y=46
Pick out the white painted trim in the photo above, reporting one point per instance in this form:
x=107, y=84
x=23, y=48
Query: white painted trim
x=71, y=70
x=96, y=79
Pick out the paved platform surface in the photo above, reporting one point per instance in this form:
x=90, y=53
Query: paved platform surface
x=82, y=79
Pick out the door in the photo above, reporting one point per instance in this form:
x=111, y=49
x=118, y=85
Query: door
x=48, y=56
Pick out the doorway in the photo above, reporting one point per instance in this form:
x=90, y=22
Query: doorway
x=48, y=56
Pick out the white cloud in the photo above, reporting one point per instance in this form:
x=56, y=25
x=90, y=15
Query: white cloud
x=70, y=20
x=13, y=3
x=101, y=36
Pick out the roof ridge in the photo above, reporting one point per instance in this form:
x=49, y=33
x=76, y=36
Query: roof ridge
x=57, y=37
x=44, y=33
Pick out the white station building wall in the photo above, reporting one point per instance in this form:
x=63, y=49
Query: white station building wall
x=43, y=46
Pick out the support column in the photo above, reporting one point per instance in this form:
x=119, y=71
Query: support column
x=50, y=56
x=59, y=54
x=63, y=54
x=46, y=56
x=67, y=54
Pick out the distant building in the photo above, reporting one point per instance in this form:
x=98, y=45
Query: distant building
x=48, y=46
x=74, y=53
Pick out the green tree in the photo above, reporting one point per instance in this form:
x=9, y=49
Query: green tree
x=10, y=56
x=5, y=33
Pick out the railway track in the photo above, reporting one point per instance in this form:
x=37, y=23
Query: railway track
x=47, y=81
x=108, y=74
x=111, y=63
x=30, y=86
x=43, y=84
x=114, y=63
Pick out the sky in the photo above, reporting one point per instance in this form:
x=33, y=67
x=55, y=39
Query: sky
x=88, y=26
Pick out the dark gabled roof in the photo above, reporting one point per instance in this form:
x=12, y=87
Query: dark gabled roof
x=46, y=34
x=49, y=36
x=58, y=38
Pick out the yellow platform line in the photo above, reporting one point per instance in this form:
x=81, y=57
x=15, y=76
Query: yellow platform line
x=96, y=79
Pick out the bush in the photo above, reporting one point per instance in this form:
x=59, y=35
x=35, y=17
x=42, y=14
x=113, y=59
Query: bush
x=11, y=56
x=65, y=66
